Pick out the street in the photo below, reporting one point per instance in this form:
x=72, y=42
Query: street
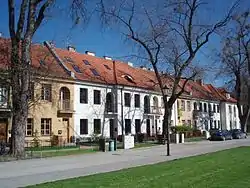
x=36, y=171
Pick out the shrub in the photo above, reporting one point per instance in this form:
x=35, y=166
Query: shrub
x=180, y=129
x=54, y=140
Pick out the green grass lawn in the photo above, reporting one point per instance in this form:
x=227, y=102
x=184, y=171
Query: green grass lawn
x=225, y=169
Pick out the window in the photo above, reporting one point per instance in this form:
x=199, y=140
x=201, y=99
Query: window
x=188, y=106
x=76, y=68
x=218, y=109
x=127, y=126
x=127, y=99
x=137, y=101
x=209, y=107
x=182, y=105
x=95, y=73
x=183, y=122
x=46, y=92
x=128, y=78
x=234, y=111
x=29, y=127
x=218, y=124
x=86, y=62
x=68, y=59
x=45, y=126
x=200, y=106
x=162, y=102
x=3, y=94
x=97, y=97
x=205, y=107
x=83, y=126
x=83, y=95
x=230, y=109
x=215, y=126
x=137, y=125
x=195, y=106
x=42, y=62
x=107, y=67
x=97, y=126
x=214, y=108
x=189, y=123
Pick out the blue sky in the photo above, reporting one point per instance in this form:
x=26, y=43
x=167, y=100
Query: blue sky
x=94, y=37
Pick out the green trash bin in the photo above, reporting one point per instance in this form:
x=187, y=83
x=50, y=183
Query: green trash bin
x=111, y=145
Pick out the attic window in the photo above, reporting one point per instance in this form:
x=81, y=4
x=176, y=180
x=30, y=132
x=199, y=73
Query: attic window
x=86, y=62
x=76, y=68
x=95, y=73
x=68, y=59
x=42, y=62
x=128, y=78
x=107, y=67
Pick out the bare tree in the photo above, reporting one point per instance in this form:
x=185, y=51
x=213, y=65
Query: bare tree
x=235, y=61
x=169, y=35
x=25, y=19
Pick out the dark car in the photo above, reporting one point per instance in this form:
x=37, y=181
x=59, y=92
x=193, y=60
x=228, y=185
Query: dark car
x=221, y=135
x=238, y=134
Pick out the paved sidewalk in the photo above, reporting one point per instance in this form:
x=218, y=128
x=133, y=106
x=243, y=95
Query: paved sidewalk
x=28, y=172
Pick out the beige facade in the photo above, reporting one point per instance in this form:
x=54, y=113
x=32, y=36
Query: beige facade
x=185, y=111
x=50, y=112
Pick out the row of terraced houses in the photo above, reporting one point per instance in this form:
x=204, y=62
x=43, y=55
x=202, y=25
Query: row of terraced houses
x=79, y=95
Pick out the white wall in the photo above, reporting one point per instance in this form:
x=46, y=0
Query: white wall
x=228, y=117
x=90, y=111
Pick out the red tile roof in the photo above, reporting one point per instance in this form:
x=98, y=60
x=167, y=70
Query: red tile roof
x=100, y=70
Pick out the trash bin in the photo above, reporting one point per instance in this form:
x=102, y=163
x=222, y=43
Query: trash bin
x=111, y=145
x=102, y=144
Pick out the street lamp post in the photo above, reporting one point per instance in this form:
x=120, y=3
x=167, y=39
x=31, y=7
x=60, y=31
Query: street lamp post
x=166, y=91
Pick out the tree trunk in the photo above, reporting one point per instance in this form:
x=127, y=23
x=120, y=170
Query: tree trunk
x=166, y=126
x=20, y=92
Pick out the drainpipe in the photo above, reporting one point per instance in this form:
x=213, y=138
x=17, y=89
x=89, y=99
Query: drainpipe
x=122, y=113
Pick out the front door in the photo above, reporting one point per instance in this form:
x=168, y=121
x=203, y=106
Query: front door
x=148, y=127
x=3, y=130
x=111, y=128
x=66, y=125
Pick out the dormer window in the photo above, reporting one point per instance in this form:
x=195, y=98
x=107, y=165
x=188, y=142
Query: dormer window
x=128, y=78
x=68, y=59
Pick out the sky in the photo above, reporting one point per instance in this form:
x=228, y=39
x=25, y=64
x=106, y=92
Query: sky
x=106, y=41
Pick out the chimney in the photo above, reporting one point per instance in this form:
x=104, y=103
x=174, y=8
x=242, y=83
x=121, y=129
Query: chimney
x=228, y=95
x=130, y=64
x=90, y=53
x=142, y=67
x=71, y=48
x=107, y=58
x=200, y=81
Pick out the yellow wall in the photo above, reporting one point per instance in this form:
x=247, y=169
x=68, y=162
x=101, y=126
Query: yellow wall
x=46, y=109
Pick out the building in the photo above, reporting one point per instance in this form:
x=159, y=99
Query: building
x=78, y=95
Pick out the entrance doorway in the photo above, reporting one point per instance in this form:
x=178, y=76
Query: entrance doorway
x=148, y=128
x=3, y=130
x=66, y=125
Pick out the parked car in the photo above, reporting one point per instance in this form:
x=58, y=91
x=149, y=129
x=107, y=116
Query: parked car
x=221, y=135
x=238, y=134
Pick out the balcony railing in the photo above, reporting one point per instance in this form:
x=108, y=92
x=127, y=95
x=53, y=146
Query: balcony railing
x=65, y=106
x=153, y=110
